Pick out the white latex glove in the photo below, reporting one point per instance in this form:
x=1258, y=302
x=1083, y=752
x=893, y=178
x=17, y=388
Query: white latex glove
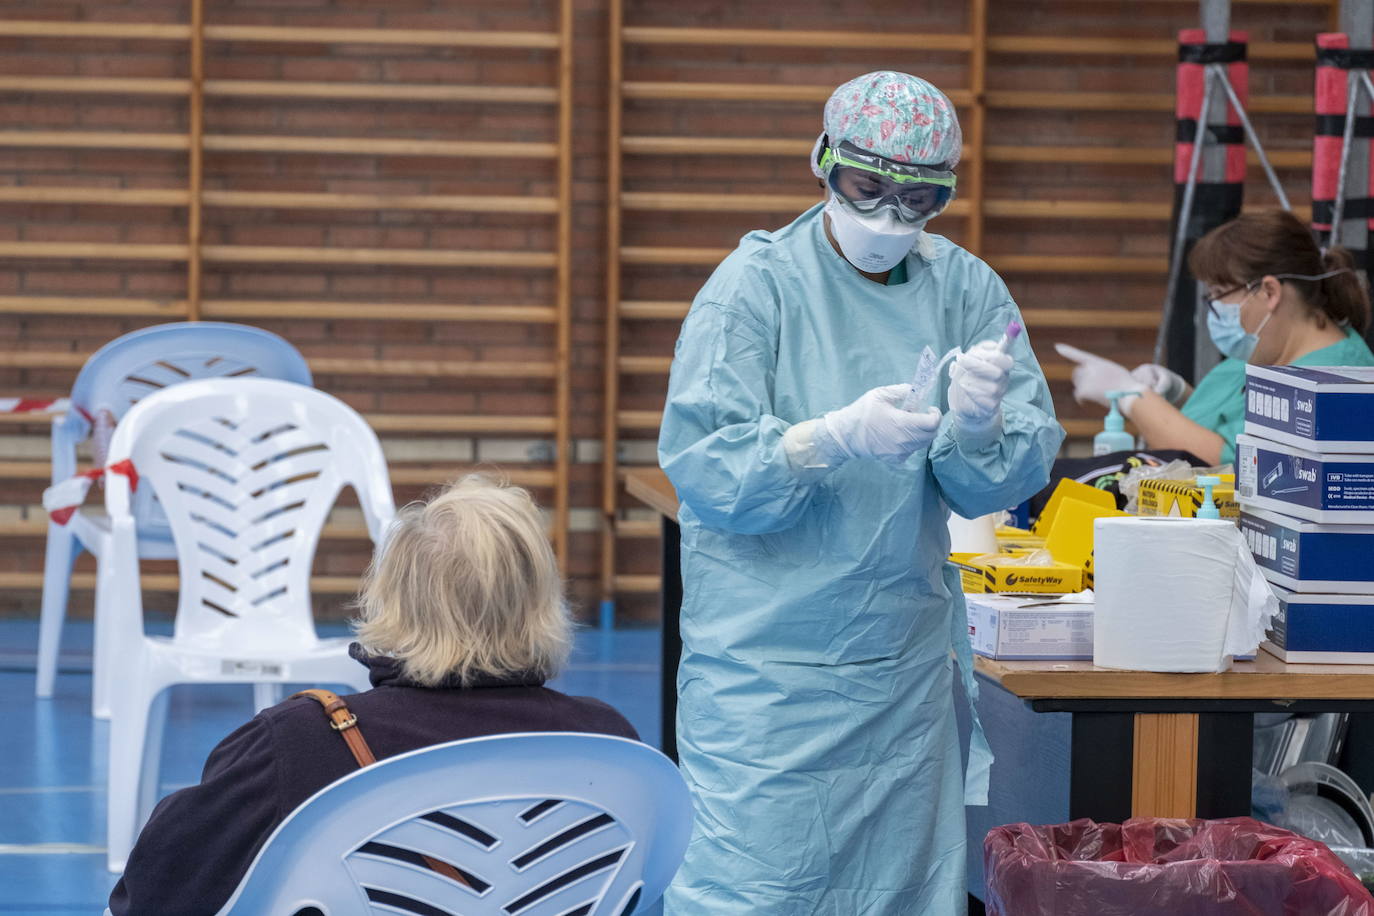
x=978, y=382
x=1166, y=383
x=1094, y=376
x=876, y=426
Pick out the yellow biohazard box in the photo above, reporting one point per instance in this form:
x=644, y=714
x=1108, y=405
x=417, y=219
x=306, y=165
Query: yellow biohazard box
x=1010, y=576
x=1010, y=538
x=1071, y=538
x=1183, y=497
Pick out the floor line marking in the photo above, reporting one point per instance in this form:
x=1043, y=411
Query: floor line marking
x=49, y=849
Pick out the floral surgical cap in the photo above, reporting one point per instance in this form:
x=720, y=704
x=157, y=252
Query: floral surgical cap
x=897, y=116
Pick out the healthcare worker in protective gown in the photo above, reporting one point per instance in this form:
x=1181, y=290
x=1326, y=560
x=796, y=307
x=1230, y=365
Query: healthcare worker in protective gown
x=816, y=721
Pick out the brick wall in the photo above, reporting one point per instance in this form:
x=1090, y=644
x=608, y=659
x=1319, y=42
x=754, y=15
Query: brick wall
x=368, y=227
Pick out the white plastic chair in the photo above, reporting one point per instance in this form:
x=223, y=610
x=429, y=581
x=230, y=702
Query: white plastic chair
x=540, y=824
x=246, y=471
x=115, y=378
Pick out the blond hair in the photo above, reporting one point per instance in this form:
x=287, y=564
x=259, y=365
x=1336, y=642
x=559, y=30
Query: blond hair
x=466, y=585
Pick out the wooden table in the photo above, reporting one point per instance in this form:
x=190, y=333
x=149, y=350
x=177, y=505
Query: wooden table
x=1168, y=745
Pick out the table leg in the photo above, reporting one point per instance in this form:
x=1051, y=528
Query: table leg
x=1164, y=775
x=671, y=610
x=1100, y=757
x=1226, y=747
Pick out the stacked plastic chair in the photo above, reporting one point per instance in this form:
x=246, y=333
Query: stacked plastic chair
x=246, y=472
x=113, y=380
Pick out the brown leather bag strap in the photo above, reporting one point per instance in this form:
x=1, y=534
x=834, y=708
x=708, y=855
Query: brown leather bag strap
x=342, y=720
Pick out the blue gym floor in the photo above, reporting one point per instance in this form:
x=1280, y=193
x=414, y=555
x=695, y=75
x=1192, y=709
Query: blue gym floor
x=52, y=760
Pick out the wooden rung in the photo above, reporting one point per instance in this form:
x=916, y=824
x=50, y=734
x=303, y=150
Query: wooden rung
x=520, y=476
x=371, y=311
x=43, y=359
x=1078, y=209
x=1130, y=101
x=428, y=368
x=96, y=85
x=745, y=92
x=673, y=255
x=1091, y=318
x=637, y=419
x=29, y=418
x=400, y=474
x=1091, y=155
x=37, y=526
x=1126, y=155
x=418, y=257
x=115, y=197
x=451, y=423
x=645, y=365
x=1281, y=104
x=432, y=368
x=794, y=38
x=58, y=29
x=107, y=251
x=86, y=305
x=1082, y=101
x=1077, y=264
x=626, y=528
x=456, y=38
x=714, y=146
x=1133, y=47
x=467, y=203
x=713, y=202
x=165, y=582
x=357, y=146
x=392, y=92
x=638, y=585
x=92, y=139
x=668, y=311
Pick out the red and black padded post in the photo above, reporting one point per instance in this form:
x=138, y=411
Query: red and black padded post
x=1220, y=180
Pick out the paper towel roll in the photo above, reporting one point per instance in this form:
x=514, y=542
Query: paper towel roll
x=978, y=535
x=1176, y=594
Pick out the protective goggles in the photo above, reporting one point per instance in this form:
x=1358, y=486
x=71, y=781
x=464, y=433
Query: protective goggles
x=868, y=183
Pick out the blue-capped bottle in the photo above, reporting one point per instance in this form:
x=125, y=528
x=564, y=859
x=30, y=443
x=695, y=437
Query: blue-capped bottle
x=1113, y=437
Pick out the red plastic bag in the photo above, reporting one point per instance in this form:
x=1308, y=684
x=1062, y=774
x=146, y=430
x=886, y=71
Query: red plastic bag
x=1168, y=866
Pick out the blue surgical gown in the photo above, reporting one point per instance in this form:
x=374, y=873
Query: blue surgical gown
x=815, y=716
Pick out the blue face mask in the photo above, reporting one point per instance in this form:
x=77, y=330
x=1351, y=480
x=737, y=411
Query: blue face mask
x=1230, y=336
x=1223, y=318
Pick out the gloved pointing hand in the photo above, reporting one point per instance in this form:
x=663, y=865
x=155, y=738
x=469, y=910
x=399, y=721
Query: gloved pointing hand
x=978, y=382
x=1094, y=376
x=876, y=426
x=1166, y=383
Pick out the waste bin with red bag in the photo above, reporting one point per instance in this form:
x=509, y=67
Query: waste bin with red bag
x=1165, y=865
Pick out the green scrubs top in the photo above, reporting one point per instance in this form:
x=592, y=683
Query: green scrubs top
x=1218, y=402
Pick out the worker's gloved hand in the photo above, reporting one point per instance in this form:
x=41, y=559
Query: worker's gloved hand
x=1166, y=383
x=876, y=426
x=1094, y=376
x=978, y=381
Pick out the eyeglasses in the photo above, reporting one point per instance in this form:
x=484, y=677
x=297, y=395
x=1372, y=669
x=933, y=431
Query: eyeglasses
x=1213, y=298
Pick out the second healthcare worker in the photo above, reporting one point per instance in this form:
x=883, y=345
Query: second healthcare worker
x=816, y=696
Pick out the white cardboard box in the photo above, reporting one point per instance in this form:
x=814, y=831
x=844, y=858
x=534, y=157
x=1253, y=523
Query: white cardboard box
x=1031, y=627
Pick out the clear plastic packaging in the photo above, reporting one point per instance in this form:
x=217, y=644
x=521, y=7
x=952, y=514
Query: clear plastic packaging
x=1180, y=867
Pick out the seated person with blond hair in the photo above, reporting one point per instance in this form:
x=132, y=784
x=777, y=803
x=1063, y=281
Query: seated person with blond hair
x=463, y=619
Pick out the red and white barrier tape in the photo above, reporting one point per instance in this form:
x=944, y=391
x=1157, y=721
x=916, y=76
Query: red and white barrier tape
x=35, y=405
x=61, y=500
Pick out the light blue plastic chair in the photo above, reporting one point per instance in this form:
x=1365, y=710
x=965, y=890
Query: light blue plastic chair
x=550, y=824
x=115, y=378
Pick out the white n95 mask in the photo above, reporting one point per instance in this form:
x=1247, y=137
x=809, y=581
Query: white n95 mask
x=871, y=242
